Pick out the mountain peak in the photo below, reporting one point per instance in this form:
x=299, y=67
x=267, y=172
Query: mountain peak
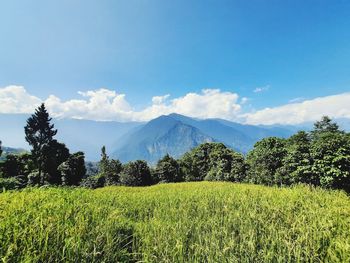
x=176, y=115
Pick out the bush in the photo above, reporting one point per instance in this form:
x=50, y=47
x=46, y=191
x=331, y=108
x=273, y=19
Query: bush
x=73, y=169
x=265, y=160
x=213, y=162
x=93, y=182
x=34, y=179
x=167, y=170
x=136, y=174
x=9, y=183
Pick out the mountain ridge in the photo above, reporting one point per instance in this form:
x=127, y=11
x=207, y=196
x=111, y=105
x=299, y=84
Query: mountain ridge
x=173, y=134
x=159, y=137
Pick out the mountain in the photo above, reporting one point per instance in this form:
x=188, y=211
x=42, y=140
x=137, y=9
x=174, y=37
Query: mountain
x=90, y=136
x=176, y=134
x=158, y=137
x=78, y=135
x=240, y=137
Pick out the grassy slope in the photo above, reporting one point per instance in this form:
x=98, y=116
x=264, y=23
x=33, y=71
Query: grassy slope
x=188, y=222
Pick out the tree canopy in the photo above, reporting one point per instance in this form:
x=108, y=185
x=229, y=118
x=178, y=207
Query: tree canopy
x=136, y=173
x=213, y=161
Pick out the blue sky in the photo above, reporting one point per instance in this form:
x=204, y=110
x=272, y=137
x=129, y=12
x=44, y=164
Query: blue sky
x=289, y=49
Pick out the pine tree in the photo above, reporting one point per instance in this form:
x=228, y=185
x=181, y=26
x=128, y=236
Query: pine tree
x=103, y=164
x=109, y=168
x=0, y=149
x=325, y=125
x=39, y=133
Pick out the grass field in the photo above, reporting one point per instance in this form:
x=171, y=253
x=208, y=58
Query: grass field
x=187, y=222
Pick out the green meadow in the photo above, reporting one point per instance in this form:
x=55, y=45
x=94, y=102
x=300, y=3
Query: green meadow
x=184, y=222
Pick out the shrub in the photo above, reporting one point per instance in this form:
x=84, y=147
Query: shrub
x=9, y=183
x=167, y=170
x=93, y=182
x=136, y=174
x=265, y=160
x=213, y=162
x=34, y=179
x=73, y=170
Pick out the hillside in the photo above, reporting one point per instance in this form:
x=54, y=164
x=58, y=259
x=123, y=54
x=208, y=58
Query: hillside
x=187, y=222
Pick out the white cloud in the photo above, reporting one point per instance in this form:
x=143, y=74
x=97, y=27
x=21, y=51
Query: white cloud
x=336, y=106
x=261, y=89
x=160, y=99
x=102, y=104
x=15, y=99
x=210, y=103
x=105, y=104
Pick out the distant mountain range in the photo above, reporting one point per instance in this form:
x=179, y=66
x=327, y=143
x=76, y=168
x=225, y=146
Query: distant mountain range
x=79, y=135
x=174, y=134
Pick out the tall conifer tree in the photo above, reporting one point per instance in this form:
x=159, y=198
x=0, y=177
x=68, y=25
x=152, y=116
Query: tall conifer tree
x=39, y=133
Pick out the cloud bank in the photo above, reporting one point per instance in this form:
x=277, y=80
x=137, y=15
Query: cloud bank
x=336, y=106
x=108, y=105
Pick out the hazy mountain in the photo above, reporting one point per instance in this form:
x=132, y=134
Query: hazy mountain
x=90, y=136
x=158, y=137
x=78, y=135
x=238, y=136
x=176, y=134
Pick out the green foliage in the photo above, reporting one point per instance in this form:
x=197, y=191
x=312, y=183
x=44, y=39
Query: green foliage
x=320, y=157
x=213, y=161
x=18, y=166
x=103, y=164
x=136, y=174
x=331, y=154
x=39, y=133
x=94, y=182
x=9, y=183
x=265, y=160
x=34, y=178
x=186, y=222
x=297, y=163
x=114, y=169
x=55, y=153
x=11, y=166
x=110, y=169
x=324, y=125
x=167, y=170
x=73, y=170
x=47, y=153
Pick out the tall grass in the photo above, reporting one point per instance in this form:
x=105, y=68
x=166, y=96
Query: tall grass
x=187, y=222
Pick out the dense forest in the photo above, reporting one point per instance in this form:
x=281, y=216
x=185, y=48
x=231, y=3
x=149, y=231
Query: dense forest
x=320, y=157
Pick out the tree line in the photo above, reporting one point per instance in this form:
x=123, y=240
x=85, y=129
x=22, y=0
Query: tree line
x=320, y=157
